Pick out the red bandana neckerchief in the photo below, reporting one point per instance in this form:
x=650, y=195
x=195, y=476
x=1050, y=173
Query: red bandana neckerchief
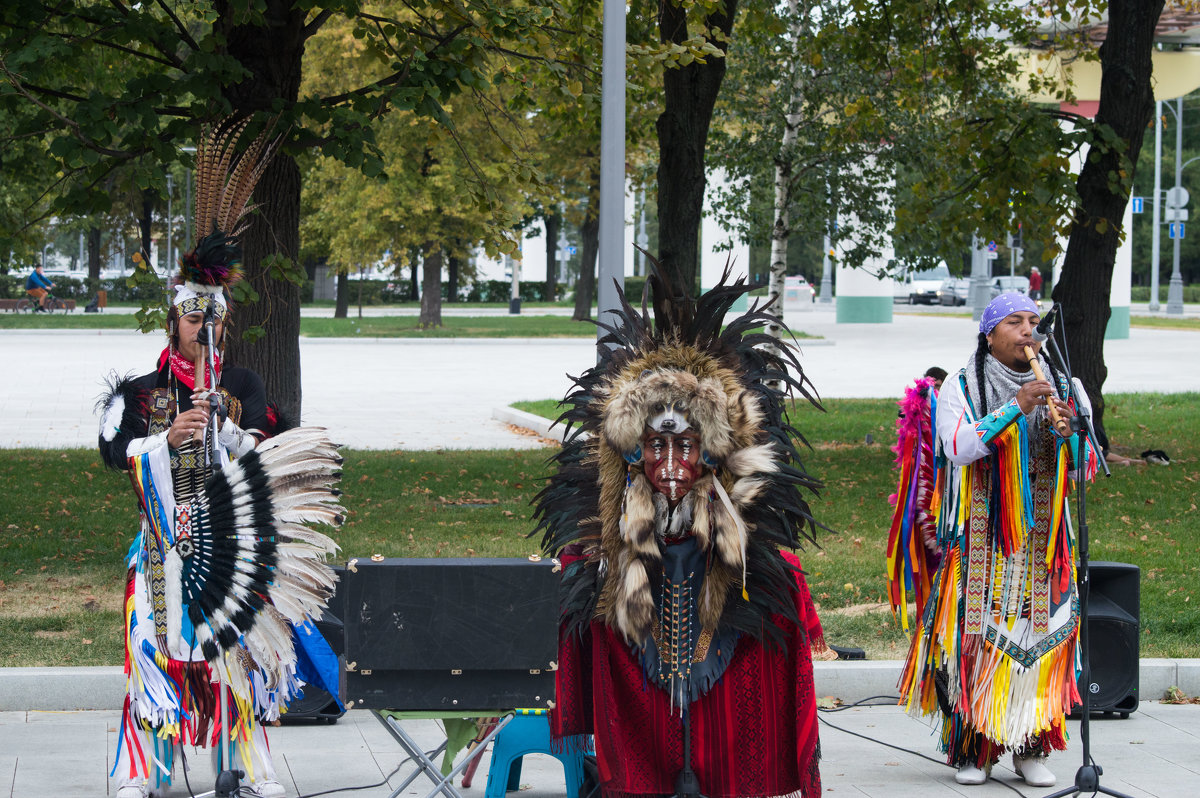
x=185, y=370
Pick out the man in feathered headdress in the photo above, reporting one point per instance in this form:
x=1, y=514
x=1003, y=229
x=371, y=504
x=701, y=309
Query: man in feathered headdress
x=224, y=576
x=686, y=631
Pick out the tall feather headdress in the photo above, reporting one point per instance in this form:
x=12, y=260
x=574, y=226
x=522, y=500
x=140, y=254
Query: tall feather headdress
x=734, y=380
x=225, y=181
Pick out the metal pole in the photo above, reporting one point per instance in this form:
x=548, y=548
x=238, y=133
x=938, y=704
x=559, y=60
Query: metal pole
x=170, y=221
x=826, y=257
x=612, y=163
x=1175, y=288
x=1156, y=219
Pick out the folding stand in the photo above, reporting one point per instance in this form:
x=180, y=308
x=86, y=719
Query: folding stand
x=424, y=762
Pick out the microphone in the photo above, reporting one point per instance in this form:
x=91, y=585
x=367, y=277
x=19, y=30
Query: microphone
x=1041, y=333
x=210, y=316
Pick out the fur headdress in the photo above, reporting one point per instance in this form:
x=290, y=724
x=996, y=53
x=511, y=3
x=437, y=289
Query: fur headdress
x=731, y=385
x=225, y=179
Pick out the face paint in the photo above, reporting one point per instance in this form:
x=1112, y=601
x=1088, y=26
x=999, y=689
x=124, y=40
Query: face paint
x=671, y=462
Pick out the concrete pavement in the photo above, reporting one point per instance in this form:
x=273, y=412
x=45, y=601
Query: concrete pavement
x=440, y=393
x=878, y=752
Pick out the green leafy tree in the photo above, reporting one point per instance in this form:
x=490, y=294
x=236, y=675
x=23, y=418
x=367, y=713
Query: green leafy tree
x=178, y=65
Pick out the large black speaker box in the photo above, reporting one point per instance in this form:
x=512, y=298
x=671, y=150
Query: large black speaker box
x=317, y=704
x=1113, y=637
x=445, y=634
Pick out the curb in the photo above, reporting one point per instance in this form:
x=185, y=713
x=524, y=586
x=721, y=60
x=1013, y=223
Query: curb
x=103, y=688
x=519, y=418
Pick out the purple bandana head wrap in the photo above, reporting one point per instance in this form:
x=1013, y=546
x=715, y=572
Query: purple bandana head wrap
x=1002, y=306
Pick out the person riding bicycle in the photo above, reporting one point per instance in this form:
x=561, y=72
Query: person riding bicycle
x=37, y=285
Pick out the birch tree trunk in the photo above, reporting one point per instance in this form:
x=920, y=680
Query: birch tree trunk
x=781, y=231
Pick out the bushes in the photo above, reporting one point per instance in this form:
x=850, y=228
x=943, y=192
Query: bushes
x=501, y=291
x=1141, y=293
x=13, y=287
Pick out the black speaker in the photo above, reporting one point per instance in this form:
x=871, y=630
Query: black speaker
x=317, y=704
x=1113, y=638
x=438, y=634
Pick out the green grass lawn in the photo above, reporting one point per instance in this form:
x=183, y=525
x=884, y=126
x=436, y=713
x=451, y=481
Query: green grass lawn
x=1159, y=323
x=67, y=522
x=523, y=326
x=526, y=325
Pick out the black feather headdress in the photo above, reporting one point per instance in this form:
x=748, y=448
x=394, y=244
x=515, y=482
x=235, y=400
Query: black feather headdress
x=735, y=380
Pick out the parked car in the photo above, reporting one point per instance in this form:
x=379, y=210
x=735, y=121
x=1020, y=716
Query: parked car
x=920, y=287
x=1008, y=285
x=954, y=291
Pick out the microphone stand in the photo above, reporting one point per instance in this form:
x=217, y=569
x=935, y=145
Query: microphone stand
x=687, y=783
x=1087, y=778
x=228, y=780
x=214, y=403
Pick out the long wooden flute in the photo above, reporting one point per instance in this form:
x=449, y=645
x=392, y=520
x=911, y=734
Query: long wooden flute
x=1060, y=423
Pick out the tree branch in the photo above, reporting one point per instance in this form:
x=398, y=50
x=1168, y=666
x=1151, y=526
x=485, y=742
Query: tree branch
x=69, y=123
x=179, y=26
x=310, y=30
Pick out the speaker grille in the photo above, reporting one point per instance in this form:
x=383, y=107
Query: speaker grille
x=1113, y=642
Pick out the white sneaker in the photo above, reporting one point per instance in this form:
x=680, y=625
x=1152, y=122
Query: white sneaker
x=266, y=789
x=132, y=788
x=1033, y=769
x=970, y=774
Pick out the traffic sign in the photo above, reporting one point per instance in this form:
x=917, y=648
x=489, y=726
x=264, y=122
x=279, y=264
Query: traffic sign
x=1175, y=214
x=1176, y=230
x=1177, y=197
x=991, y=246
x=1137, y=203
x=992, y=254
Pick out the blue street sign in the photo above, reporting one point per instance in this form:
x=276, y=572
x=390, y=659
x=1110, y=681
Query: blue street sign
x=1175, y=230
x=1137, y=204
x=571, y=250
x=991, y=246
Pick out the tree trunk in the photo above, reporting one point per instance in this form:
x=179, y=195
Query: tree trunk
x=414, y=260
x=553, y=222
x=144, y=225
x=589, y=232
x=452, y=266
x=689, y=95
x=1126, y=106
x=341, y=309
x=272, y=55
x=93, y=256
x=781, y=231
x=431, y=287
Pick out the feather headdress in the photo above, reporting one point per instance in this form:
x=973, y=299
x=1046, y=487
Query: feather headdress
x=732, y=382
x=225, y=181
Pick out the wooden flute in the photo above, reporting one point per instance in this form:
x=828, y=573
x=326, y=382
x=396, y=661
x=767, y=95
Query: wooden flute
x=1060, y=423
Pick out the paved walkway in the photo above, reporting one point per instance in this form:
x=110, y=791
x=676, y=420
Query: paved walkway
x=439, y=393
x=877, y=752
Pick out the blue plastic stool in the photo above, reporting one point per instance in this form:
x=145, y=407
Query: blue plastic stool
x=527, y=733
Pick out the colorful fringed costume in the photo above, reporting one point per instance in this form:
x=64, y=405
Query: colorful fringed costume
x=225, y=575
x=913, y=552
x=996, y=646
x=669, y=514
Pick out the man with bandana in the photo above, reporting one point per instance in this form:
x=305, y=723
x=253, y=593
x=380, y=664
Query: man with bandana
x=996, y=644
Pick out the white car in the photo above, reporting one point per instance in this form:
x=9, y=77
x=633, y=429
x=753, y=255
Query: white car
x=1009, y=285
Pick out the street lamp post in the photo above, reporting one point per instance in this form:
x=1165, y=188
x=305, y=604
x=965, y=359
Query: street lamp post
x=1175, y=289
x=1156, y=209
